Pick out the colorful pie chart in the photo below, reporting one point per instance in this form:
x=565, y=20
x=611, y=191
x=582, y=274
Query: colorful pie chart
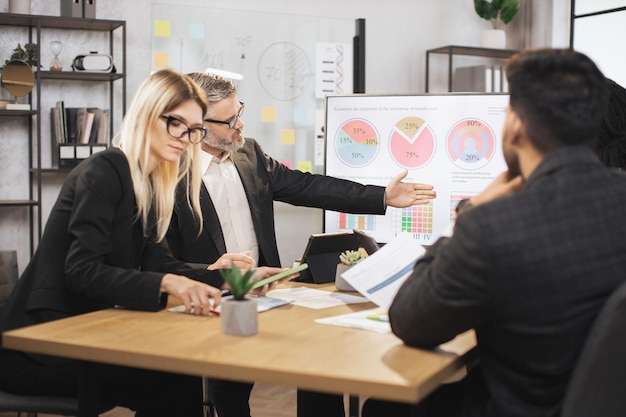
x=356, y=143
x=471, y=144
x=412, y=143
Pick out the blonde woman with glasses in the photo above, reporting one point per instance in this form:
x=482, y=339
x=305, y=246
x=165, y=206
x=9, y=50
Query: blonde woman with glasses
x=103, y=247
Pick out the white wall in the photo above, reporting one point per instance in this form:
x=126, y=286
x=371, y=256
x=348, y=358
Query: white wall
x=398, y=33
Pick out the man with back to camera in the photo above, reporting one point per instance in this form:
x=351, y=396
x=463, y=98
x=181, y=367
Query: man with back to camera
x=532, y=258
x=241, y=183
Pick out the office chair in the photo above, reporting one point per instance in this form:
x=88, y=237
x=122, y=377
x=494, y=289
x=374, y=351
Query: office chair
x=597, y=384
x=33, y=404
x=27, y=403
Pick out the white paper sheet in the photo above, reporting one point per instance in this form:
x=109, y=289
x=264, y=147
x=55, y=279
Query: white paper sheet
x=312, y=298
x=379, y=276
x=372, y=320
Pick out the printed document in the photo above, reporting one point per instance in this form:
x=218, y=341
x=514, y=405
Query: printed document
x=379, y=276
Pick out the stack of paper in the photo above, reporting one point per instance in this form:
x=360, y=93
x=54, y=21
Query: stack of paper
x=379, y=276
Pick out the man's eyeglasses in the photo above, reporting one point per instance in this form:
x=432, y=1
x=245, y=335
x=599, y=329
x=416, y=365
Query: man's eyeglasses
x=230, y=122
x=177, y=129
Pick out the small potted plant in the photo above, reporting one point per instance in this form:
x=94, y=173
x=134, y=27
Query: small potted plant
x=497, y=12
x=347, y=259
x=239, y=315
x=28, y=54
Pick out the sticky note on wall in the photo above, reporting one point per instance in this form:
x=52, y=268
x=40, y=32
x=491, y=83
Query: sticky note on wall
x=268, y=114
x=162, y=28
x=304, y=166
x=161, y=60
x=196, y=31
x=287, y=136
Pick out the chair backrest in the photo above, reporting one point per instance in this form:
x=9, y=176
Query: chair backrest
x=8, y=274
x=598, y=385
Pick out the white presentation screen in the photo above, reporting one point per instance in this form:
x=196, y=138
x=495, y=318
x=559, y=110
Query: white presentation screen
x=452, y=141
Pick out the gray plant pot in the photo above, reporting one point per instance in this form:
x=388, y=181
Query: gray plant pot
x=340, y=283
x=239, y=317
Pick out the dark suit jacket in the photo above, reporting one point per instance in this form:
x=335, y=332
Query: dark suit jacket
x=93, y=253
x=529, y=272
x=265, y=180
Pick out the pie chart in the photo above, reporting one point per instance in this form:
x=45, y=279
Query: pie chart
x=471, y=144
x=412, y=143
x=356, y=143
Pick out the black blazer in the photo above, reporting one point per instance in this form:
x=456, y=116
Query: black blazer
x=93, y=253
x=265, y=180
x=529, y=272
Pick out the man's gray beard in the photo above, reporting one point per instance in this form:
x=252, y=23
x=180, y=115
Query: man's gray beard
x=213, y=142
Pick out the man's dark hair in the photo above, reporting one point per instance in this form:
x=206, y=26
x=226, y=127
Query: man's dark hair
x=559, y=94
x=611, y=145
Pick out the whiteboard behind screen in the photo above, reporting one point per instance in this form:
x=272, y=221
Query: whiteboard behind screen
x=452, y=141
x=601, y=37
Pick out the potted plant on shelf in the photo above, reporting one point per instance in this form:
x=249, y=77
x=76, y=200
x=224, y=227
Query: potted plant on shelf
x=498, y=12
x=239, y=315
x=347, y=259
x=28, y=54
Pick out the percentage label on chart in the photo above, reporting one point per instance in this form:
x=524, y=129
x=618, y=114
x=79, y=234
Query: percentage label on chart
x=357, y=142
x=412, y=154
x=470, y=144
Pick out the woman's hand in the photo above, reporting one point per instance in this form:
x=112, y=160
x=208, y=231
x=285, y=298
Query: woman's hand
x=241, y=260
x=198, y=297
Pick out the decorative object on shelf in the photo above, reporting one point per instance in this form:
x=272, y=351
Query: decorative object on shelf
x=19, y=6
x=497, y=12
x=56, y=48
x=28, y=54
x=239, y=315
x=18, y=79
x=89, y=9
x=347, y=259
x=71, y=8
x=94, y=62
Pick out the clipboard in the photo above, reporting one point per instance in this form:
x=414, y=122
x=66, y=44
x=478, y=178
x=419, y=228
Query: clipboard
x=323, y=250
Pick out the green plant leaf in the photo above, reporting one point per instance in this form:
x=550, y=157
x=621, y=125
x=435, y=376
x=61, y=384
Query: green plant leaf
x=509, y=10
x=239, y=283
x=485, y=9
x=496, y=10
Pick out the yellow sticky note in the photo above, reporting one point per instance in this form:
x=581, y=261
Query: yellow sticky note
x=304, y=166
x=162, y=28
x=161, y=60
x=287, y=136
x=268, y=114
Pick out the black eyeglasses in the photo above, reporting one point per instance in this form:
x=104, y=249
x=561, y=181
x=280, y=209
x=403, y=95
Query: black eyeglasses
x=178, y=129
x=230, y=122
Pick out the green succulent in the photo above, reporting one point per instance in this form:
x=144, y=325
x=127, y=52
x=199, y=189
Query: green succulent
x=350, y=257
x=496, y=10
x=239, y=282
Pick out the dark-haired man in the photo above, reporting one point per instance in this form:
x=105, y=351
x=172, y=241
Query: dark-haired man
x=532, y=258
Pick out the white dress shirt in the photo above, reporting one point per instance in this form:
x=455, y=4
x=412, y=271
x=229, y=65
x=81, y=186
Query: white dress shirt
x=224, y=185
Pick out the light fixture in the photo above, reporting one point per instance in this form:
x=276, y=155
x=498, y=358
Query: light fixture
x=226, y=74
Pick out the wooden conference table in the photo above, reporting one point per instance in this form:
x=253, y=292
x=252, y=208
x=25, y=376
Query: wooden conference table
x=290, y=349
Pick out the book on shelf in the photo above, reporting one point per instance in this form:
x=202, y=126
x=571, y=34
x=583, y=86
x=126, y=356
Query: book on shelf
x=76, y=133
x=480, y=79
x=79, y=124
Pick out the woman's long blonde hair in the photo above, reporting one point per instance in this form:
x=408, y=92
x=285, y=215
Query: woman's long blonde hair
x=162, y=92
